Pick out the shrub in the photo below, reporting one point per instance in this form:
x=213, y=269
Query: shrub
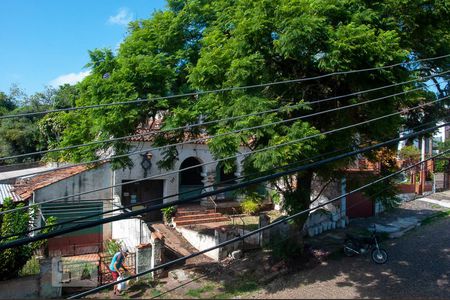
x=285, y=248
x=12, y=260
x=168, y=213
x=250, y=206
x=112, y=246
x=440, y=166
x=31, y=267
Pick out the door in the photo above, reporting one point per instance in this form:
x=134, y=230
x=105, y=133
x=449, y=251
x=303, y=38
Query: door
x=147, y=192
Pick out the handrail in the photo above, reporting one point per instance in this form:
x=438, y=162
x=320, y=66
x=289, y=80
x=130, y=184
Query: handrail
x=210, y=198
x=243, y=224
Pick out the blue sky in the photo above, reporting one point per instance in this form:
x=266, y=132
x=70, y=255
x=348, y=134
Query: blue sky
x=46, y=42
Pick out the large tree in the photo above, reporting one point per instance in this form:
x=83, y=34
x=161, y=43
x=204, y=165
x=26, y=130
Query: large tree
x=31, y=133
x=201, y=45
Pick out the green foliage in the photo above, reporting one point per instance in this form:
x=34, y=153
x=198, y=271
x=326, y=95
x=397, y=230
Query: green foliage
x=252, y=203
x=410, y=154
x=168, y=213
x=386, y=192
x=33, y=133
x=201, y=45
x=285, y=248
x=197, y=293
x=441, y=166
x=275, y=196
x=14, y=259
x=250, y=206
x=435, y=217
x=32, y=267
x=112, y=246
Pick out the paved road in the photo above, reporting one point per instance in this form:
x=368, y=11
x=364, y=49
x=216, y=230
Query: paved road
x=418, y=267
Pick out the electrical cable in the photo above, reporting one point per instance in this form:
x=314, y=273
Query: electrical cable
x=261, y=179
x=272, y=243
x=232, y=157
x=127, y=207
x=223, y=89
x=234, y=118
x=246, y=235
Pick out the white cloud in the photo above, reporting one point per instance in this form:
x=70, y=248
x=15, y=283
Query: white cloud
x=70, y=78
x=123, y=17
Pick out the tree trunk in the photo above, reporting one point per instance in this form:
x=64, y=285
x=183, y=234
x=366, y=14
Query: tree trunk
x=299, y=200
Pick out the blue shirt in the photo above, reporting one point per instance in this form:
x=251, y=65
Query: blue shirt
x=118, y=257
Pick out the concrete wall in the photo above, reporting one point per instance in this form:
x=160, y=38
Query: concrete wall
x=201, y=241
x=20, y=288
x=83, y=182
x=171, y=181
x=131, y=232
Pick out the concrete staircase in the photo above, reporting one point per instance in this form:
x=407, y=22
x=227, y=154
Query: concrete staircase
x=197, y=215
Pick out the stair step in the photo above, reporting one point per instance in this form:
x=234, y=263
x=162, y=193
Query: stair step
x=181, y=213
x=201, y=221
x=199, y=216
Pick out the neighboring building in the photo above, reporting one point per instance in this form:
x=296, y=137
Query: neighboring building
x=7, y=191
x=74, y=180
x=61, y=183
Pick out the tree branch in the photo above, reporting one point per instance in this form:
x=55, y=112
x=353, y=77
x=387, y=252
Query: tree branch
x=323, y=189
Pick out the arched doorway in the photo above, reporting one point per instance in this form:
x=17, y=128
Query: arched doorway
x=226, y=178
x=190, y=183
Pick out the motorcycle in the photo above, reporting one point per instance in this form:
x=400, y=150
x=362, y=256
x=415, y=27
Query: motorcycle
x=360, y=245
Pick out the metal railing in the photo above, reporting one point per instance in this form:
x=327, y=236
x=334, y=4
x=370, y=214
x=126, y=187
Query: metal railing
x=235, y=214
x=210, y=198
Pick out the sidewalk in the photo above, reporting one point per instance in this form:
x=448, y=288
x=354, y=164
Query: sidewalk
x=393, y=223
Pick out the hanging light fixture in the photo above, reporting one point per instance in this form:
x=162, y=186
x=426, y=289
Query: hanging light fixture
x=146, y=162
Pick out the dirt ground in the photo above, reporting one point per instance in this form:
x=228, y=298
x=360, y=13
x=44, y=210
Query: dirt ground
x=227, y=279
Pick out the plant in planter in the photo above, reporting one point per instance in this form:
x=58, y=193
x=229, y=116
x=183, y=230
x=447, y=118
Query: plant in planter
x=112, y=246
x=168, y=213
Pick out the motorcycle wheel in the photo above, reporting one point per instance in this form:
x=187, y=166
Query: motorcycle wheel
x=379, y=256
x=349, y=244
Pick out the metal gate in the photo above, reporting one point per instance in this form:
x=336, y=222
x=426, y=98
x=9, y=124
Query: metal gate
x=104, y=262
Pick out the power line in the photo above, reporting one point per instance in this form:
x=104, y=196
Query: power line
x=246, y=235
x=233, y=180
x=239, y=117
x=278, y=242
x=196, y=140
x=232, y=157
x=236, y=186
x=23, y=233
x=223, y=89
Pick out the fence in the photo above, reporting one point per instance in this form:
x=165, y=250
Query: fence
x=91, y=270
x=76, y=249
x=104, y=262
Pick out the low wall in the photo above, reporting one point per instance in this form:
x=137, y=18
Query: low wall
x=131, y=232
x=20, y=288
x=201, y=241
x=405, y=188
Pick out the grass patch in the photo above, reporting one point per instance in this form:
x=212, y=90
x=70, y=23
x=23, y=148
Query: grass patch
x=435, y=217
x=252, y=222
x=32, y=267
x=197, y=293
x=155, y=293
x=238, y=288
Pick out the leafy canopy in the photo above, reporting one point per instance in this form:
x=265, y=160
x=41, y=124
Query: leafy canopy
x=198, y=45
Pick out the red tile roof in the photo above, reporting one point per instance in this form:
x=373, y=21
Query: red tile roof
x=147, y=132
x=25, y=187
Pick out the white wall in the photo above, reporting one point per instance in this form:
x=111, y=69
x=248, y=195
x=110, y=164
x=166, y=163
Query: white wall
x=86, y=181
x=201, y=241
x=171, y=181
x=128, y=231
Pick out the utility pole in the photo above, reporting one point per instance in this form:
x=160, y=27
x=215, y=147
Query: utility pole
x=422, y=168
